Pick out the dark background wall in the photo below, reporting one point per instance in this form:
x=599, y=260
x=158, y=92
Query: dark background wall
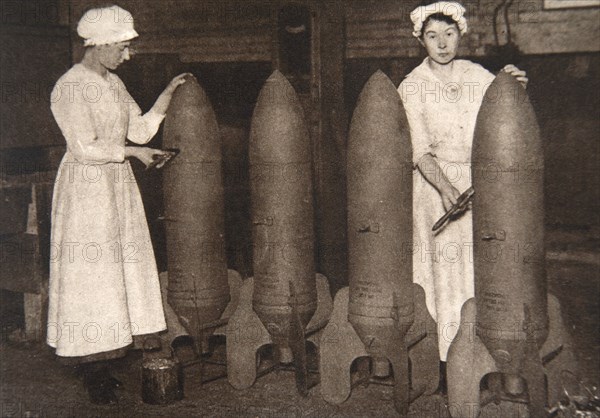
x=228, y=45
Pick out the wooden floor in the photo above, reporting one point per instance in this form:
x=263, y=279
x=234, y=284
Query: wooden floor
x=34, y=384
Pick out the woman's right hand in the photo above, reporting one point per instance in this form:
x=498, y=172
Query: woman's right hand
x=145, y=154
x=431, y=170
x=449, y=195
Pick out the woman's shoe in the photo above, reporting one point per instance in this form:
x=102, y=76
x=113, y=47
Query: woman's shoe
x=113, y=382
x=96, y=380
x=99, y=383
x=152, y=343
x=101, y=394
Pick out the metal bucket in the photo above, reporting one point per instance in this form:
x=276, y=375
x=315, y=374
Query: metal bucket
x=162, y=381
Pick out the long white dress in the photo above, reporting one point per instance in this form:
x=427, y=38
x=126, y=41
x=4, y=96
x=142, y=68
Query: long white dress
x=442, y=117
x=104, y=284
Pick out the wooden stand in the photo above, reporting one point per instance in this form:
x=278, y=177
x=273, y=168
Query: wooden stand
x=25, y=252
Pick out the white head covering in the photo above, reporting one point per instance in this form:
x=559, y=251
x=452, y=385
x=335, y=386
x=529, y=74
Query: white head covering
x=106, y=25
x=450, y=8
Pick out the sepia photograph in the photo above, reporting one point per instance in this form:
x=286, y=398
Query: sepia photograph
x=300, y=208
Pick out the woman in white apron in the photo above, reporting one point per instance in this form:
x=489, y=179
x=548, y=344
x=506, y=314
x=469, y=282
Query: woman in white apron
x=104, y=285
x=442, y=97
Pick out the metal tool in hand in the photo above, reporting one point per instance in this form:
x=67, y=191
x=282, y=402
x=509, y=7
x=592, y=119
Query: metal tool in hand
x=162, y=159
x=459, y=206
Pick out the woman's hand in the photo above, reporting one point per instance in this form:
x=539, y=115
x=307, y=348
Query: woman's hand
x=177, y=81
x=145, y=155
x=431, y=170
x=162, y=103
x=520, y=75
x=449, y=196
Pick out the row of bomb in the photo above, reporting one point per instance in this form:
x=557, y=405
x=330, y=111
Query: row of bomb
x=288, y=305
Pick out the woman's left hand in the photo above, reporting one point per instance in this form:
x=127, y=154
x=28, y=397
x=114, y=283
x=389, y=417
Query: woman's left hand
x=520, y=75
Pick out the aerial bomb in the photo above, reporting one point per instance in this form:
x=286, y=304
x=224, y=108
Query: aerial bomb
x=285, y=300
x=382, y=314
x=518, y=340
x=199, y=282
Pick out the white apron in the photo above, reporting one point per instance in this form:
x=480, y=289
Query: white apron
x=104, y=284
x=442, y=122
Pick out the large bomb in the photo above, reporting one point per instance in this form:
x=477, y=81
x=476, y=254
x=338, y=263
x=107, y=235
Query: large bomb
x=198, y=288
x=280, y=301
x=379, y=214
x=519, y=333
x=375, y=316
x=508, y=219
x=282, y=209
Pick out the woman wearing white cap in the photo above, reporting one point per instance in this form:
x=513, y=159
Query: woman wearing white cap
x=442, y=97
x=104, y=285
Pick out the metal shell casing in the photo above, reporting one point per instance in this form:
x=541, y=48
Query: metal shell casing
x=198, y=288
x=282, y=209
x=508, y=220
x=379, y=212
x=511, y=332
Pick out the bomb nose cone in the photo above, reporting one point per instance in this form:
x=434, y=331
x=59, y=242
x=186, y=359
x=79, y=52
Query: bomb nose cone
x=187, y=94
x=378, y=90
x=505, y=81
x=506, y=131
x=277, y=76
x=508, y=94
x=191, y=124
x=190, y=83
x=507, y=114
x=379, y=124
x=277, y=91
x=278, y=132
